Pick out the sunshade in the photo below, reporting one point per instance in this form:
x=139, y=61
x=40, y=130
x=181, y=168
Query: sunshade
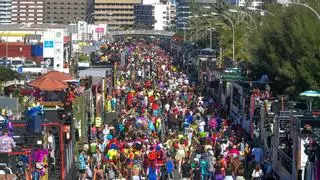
x=310, y=93
x=47, y=84
x=56, y=75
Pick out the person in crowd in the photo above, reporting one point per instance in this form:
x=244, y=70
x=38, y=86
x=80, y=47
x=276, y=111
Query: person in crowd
x=6, y=142
x=170, y=168
x=82, y=165
x=257, y=173
x=186, y=172
x=166, y=126
x=98, y=172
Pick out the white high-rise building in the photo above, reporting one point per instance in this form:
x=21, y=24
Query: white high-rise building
x=163, y=15
x=5, y=11
x=148, y=2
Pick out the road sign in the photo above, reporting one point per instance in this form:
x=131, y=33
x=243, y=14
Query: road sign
x=20, y=69
x=48, y=44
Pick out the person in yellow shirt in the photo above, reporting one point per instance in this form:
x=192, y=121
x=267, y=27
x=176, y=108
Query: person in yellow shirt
x=98, y=122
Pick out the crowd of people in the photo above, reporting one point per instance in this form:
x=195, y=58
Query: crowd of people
x=167, y=128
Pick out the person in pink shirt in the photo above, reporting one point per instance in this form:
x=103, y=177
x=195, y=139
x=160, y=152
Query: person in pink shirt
x=234, y=151
x=6, y=142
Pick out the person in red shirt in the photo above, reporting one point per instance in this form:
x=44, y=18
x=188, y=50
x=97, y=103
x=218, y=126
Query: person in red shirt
x=155, y=106
x=151, y=99
x=130, y=98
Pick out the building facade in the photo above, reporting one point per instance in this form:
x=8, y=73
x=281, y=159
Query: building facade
x=64, y=11
x=117, y=14
x=254, y=5
x=27, y=11
x=143, y=16
x=163, y=15
x=5, y=11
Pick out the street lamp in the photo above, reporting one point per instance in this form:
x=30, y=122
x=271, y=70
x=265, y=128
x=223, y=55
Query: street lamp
x=195, y=16
x=233, y=31
x=265, y=11
x=243, y=12
x=210, y=29
x=302, y=4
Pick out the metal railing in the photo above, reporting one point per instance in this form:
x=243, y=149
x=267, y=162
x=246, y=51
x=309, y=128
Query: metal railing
x=285, y=160
x=142, y=32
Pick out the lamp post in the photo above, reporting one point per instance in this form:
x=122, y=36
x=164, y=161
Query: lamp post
x=210, y=29
x=195, y=16
x=304, y=5
x=233, y=32
x=265, y=11
x=243, y=12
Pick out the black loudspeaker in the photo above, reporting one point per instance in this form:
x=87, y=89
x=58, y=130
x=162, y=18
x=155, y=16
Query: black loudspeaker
x=276, y=107
x=4, y=157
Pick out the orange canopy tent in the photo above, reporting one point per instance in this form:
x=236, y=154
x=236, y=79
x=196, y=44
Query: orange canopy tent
x=56, y=75
x=48, y=84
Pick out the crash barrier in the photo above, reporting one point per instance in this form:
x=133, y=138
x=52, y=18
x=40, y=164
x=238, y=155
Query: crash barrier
x=142, y=32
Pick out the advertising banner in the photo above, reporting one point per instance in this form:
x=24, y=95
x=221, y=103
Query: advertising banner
x=48, y=44
x=82, y=27
x=99, y=30
x=58, y=49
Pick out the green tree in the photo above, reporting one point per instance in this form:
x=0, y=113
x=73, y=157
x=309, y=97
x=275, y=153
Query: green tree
x=7, y=74
x=244, y=28
x=286, y=48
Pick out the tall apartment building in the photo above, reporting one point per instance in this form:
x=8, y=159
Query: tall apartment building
x=27, y=11
x=5, y=11
x=143, y=15
x=116, y=14
x=64, y=11
x=163, y=14
x=160, y=13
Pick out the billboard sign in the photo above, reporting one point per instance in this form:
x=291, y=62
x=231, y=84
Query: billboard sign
x=48, y=44
x=58, y=50
x=82, y=27
x=99, y=30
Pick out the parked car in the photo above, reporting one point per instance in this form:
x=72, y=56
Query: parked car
x=30, y=64
x=4, y=62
